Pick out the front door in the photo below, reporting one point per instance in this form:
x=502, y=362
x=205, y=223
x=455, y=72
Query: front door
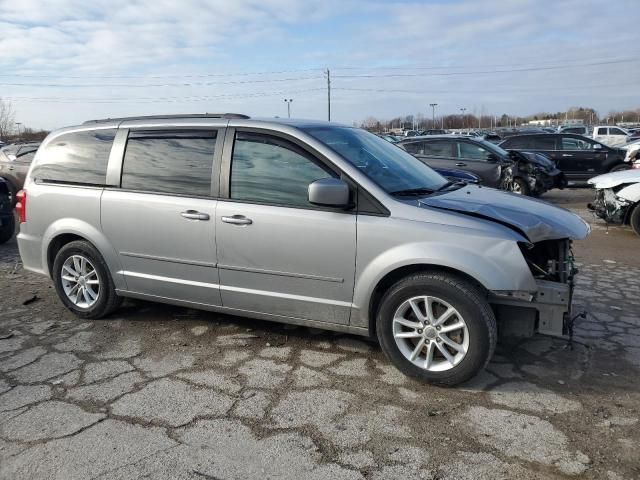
x=162, y=219
x=278, y=254
x=477, y=159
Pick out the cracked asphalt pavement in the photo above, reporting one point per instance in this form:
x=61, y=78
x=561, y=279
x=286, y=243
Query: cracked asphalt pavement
x=170, y=393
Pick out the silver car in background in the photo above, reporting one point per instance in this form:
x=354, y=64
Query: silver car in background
x=303, y=222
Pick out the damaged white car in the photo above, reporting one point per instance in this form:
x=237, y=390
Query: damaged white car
x=617, y=198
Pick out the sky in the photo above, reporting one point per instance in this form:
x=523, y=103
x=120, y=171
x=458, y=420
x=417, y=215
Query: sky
x=65, y=61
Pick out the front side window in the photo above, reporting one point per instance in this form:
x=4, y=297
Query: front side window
x=266, y=169
x=388, y=166
x=163, y=161
x=471, y=151
x=616, y=131
x=602, y=131
x=576, y=144
x=76, y=158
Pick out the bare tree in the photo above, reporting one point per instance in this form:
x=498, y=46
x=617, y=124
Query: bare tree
x=7, y=118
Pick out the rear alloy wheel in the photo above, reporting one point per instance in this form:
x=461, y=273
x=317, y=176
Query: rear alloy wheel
x=437, y=327
x=83, y=282
x=519, y=186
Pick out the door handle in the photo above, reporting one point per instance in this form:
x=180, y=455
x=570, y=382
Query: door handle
x=237, y=220
x=567, y=155
x=461, y=164
x=195, y=215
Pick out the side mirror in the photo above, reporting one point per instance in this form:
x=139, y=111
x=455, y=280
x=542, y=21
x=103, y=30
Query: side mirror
x=329, y=192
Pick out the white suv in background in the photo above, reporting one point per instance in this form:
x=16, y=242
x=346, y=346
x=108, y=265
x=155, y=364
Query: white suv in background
x=612, y=136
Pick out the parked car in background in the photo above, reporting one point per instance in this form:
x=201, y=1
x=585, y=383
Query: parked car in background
x=389, y=138
x=411, y=133
x=493, y=138
x=617, y=198
x=302, y=222
x=435, y=131
x=577, y=129
x=15, y=160
x=7, y=219
x=454, y=175
x=611, y=136
x=578, y=157
x=497, y=168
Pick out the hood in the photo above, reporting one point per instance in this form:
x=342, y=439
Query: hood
x=611, y=180
x=535, y=219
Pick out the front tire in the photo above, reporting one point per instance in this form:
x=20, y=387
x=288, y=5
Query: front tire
x=519, y=186
x=437, y=327
x=83, y=282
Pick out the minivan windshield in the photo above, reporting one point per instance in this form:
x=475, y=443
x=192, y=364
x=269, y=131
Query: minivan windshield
x=391, y=168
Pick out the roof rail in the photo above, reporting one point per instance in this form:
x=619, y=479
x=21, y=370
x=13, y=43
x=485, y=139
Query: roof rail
x=171, y=117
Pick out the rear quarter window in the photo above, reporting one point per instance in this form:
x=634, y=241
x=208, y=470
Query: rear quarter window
x=76, y=158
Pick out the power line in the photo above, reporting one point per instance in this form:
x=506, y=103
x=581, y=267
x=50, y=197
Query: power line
x=170, y=99
x=479, y=72
x=147, y=85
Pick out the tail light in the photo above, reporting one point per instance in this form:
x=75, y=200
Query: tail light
x=21, y=205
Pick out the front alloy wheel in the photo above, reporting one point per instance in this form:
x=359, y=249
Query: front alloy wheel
x=430, y=333
x=437, y=327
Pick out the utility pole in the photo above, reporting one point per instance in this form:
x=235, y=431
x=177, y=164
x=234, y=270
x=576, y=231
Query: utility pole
x=433, y=114
x=288, y=102
x=18, y=124
x=328, y=72
x=463, y=110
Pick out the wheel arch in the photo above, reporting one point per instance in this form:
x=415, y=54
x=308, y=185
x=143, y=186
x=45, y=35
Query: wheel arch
x=68, y=230
x=390, y=278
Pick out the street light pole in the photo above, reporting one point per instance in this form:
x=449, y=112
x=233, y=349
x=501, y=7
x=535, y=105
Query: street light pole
x=18, y=124
x=288, y=102
x=463, y=110
x=433, y=114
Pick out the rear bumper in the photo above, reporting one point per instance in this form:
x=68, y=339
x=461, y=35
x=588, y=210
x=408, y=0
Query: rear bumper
x=546, y=312
x=30, y=248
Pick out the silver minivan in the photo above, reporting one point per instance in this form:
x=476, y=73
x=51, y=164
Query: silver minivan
x=303, y=222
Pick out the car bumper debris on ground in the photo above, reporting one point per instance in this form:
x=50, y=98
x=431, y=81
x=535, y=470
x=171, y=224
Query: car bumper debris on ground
x=166, y=392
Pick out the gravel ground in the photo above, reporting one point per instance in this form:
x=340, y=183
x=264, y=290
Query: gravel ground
x=171, y=393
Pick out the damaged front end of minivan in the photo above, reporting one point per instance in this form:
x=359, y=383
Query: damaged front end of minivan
x=617, y=198
x=547, y=233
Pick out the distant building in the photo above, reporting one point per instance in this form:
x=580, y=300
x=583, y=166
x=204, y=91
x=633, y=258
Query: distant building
x=550, y=122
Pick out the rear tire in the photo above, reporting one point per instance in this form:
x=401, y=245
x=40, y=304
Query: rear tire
x=620, y=168
x=634, y=220
x=8, y=229
x=402, y=332
x=83, y=281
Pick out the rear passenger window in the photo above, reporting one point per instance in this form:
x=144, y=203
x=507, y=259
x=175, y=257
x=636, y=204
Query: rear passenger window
x=544, y=143
x=164, y=161
x=438, y=148
x=76, y=158
x=267, y=169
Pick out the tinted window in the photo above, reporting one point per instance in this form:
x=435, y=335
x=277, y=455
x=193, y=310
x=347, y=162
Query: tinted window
x=169, y=161
x=601, y=131
x=440, y=148
x=270, y=170
x=471, y=151
x=390, y=167
x=517, y=143
x=544, y=143
x=79, y=157
x=569, y=143
x=616, y=131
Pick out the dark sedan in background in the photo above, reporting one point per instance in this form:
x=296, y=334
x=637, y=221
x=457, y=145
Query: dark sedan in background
x=15, y=160
x=519, y=172
x=578, y=157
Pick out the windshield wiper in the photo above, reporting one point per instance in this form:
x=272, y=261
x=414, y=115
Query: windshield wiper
x=413, y=191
